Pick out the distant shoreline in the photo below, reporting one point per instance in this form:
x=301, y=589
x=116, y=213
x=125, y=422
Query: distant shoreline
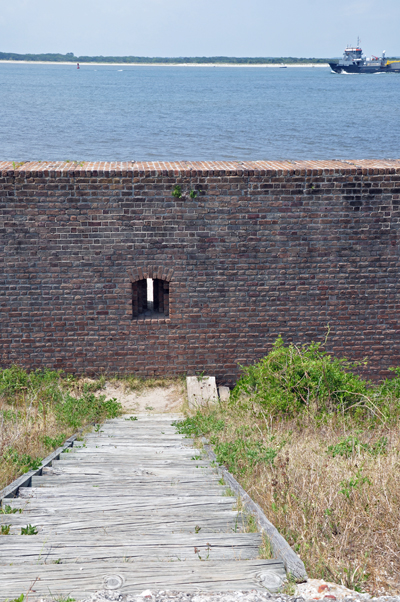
x=238, y=65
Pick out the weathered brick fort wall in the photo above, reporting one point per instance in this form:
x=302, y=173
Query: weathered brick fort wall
x=264, y=249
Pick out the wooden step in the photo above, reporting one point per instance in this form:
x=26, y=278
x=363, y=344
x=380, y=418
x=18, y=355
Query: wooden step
x=135, y=487
x=173, y=504
x=72, y=548
x=160, y=516
x=224, y=522
x=129, y=578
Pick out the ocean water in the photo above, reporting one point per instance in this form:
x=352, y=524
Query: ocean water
x=56, y=112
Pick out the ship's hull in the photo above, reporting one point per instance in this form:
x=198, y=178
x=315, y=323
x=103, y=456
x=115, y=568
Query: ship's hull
x=337, y=68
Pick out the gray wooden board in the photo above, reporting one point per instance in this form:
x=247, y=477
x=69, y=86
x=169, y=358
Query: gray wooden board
x=131, y=449
x=133, y=471
x=72, y=548
x=224, y=541
x=224, y=521
x=90, y=491
x=129, y=426
x=93, y=492
x=87, y=478
x=136, y=488
x=151, y=440
x=109, y=512
x=139, y=434
x=128, y=478
x=123, y=460
x=171, y=503
x=136, y=452
x=128, y=578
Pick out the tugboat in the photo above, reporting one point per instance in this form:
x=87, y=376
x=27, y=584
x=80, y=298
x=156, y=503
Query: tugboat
x=353, y=61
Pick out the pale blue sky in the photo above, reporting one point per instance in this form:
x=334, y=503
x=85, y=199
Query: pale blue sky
x=199, y=27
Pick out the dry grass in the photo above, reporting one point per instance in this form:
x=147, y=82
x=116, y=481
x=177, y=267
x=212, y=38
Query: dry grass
x=38, y=412
x=341, y=514
x=24, y=429
x=132, y=383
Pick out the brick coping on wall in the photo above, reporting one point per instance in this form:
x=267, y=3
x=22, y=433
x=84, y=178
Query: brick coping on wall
x=173, y=168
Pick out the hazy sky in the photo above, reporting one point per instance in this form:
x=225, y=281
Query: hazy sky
x=199, y=27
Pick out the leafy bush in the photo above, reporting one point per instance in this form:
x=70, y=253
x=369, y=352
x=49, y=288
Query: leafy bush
x=16, y=381
x=290, y=379
x=75, y=412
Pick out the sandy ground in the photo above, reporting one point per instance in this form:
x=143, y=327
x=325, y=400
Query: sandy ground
x=156, y=400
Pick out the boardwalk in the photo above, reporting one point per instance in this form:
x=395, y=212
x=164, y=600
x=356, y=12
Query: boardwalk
x=131, y=507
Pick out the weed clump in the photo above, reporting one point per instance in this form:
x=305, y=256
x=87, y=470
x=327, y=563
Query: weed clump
x=39, y=410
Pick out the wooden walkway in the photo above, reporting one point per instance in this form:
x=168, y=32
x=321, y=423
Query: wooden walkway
x=132, y=507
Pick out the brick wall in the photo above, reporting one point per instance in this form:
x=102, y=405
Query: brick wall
x=264, y=249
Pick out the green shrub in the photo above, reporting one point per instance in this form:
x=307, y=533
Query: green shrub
x=290, y=379
x=16, y=381
x=75, y=412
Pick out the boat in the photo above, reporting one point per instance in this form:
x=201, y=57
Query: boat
x=354, y=61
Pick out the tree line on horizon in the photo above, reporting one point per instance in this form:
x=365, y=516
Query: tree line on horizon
x=70, y=57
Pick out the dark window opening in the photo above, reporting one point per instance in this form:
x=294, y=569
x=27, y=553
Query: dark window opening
x=150, y=298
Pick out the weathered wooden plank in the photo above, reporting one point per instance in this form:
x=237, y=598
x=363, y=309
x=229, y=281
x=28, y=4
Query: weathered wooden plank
x=156, y=517
x=137, y=487
x=69, y=548
x=134, y=451
x=199, y=540
x=85, y=490
x=130, y=478
x=144, y=524
x=123, y=461
x=129, y=578
x=149, y=502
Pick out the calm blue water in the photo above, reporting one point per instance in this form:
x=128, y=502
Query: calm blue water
x=123, y=113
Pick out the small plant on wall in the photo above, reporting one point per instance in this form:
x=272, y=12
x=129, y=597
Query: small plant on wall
x=178, y=194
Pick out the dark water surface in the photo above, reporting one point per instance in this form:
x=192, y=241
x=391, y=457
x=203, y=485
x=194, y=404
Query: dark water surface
x=56, y=112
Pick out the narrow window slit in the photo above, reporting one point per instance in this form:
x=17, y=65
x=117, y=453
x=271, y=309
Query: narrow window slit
x=150, y=298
